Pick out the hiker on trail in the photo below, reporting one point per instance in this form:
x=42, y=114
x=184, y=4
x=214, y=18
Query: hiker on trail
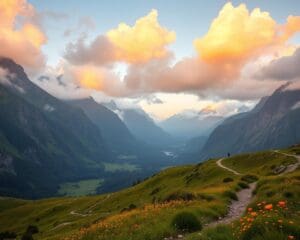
x=228, y=154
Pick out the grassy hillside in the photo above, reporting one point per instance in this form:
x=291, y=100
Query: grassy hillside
x=146, y=210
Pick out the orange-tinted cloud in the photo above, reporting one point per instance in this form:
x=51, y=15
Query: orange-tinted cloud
x=237, y=35
x=236, y=38
x=142, y=42
x=22, y=43
x=91, y=77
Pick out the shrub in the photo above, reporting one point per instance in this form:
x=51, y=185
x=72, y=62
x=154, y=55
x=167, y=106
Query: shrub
x=228, y=179
x=243, y=185
x=288, y=194
x=249, y=178
x=270, y=193
x=185, y=196
x=129, y=208
x=31, y=229
x=206, y=197
x=154, y=191
x=7, y=235
x=27, y=236
x=231, y=195
x=186, y=221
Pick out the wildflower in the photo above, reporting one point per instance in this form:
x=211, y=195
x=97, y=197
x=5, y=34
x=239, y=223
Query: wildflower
x=250, y=209
x=281, y=203
x=253, y=214
x=269, y=207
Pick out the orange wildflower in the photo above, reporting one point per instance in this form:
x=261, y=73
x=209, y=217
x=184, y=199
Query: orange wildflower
x=269, y=206
x=253, y=214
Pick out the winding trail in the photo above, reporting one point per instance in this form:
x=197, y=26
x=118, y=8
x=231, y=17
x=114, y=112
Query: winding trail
x=291, y=167
x=219, y=163
x=236, y=208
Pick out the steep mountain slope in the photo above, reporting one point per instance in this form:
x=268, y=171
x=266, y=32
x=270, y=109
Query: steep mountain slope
x=274, y=123
x=114, y=131
x=146, y=210
x=144, y=128
x=43, y=140
x=187, y=127
x=141, y=125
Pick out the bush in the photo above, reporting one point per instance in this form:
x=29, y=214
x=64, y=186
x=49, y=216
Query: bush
x=7, y=235
x=29, y=232
x=27, y=236
x=231, y=195
x=249, y=178
x=243, y=185
x=228, y=179
x=32, y=229
x=185, y=196
x=186, y=221
x=288, y=194
x=206, y=197
x=154, y=191
x=129, y=208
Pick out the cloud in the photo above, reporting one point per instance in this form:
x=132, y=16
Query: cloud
x=87, y=22
x=84, y=23
x=4, y=76
x=236, y=39
x=7, y=79
x=152, y=99
x=144, y=41
x=284, y=68
x=237, y=35
x=96, y=78
x=99, y=52
x=20, y=39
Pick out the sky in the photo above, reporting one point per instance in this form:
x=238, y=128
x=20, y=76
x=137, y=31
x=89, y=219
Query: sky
x=161, y=56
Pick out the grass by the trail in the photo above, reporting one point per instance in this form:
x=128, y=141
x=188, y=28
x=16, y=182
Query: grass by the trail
x=266, y=219
x=114, y=167
x=145, y=211
x=80, y=188
x=261, y=163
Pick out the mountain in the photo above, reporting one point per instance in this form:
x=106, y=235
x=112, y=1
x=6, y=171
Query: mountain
x=113, y=130
x=43, y=141
x=187, y=126
x=273, y=123
x=142, y=126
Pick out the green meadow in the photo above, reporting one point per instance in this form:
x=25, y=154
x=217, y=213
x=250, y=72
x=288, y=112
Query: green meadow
x=147, y=210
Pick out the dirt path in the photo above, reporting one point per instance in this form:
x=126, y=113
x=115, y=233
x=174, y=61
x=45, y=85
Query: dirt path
x=219, y=163
x=89, y=210
x=291, y=167
x=60, y=225
x=237, y=208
